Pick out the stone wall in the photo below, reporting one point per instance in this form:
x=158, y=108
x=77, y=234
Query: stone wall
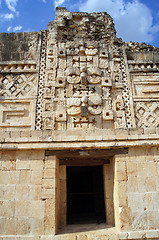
x=136, y=179
x=29, y=183
x=22, y=211
x=30, y=189
x=19, y=67
x=19, y=46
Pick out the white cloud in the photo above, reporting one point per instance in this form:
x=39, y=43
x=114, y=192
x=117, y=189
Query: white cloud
x=14, y=29
x=6, y=17
x=9, y=28
x=133, y=19
x=59, y=2
x=11, y=4
x=17, y=28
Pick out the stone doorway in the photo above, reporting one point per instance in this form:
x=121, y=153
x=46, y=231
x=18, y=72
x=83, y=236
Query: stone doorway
x=85, y=195
x=79, y=158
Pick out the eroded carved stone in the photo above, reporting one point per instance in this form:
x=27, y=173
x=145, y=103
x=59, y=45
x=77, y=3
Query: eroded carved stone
x=147, y=114
x=17, y=114
x=82, y=65
x=18, y=85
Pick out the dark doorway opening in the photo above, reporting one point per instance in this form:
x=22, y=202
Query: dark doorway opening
x=85, y=195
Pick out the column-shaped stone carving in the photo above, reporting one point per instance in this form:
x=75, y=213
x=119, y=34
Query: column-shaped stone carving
x=129, y=111
x=42, y=75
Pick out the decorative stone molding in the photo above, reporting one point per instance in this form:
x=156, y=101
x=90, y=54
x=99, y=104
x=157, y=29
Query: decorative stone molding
x=41, y=81
x=14, y=86
x=17, y=114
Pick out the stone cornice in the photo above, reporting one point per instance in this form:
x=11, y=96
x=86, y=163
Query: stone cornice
x=75, y=139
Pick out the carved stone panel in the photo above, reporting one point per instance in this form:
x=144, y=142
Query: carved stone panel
x=147, y=114
x=145, y=87
x=83, y=78
x=78, y=91
x=18, y=86
x=17, y=114
x=145, y=93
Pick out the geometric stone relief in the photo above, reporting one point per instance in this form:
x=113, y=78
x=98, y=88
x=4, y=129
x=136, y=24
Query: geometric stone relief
x=141, y=65
x=18, y=85
x=81, y=90
x=147, y=114
x=18, y=67
x=125, y=92
x=145, y=87
x=82, y=79
x=17, y=114
x=42, y=75
x=145, y=94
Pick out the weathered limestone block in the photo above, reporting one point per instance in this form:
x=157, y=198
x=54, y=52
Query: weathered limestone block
x=8, y=165
x=7, y=209
x=49, y=216
x=30, y=155
x=27, y=43
x=36, y=177
x=125, y=218
x=50, y=173
x=132, y=184
x=48, y=183
x=9, y=177
x=30, y=209
x=122, y=194
x=8, y=155
x=139, y=220
x=7, y=192
x=8, y=226
x=132, y=169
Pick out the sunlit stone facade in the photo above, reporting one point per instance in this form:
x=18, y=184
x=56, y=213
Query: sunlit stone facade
x=73, y=99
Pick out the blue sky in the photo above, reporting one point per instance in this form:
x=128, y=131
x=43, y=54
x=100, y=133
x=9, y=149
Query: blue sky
x=135, y=20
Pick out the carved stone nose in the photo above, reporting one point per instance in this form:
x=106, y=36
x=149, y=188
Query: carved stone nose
x=84, y=99
x=83, y=78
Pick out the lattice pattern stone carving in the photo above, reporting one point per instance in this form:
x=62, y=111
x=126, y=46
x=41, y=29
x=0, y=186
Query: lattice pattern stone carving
x=18, y=85
x=147, y=114
x=41, y=81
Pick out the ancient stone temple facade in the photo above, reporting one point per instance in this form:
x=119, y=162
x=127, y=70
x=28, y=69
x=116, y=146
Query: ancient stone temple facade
x=79, y=133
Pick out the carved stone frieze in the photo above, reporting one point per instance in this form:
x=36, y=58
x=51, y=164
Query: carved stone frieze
x=39, y=107
x=86, y=89
x=17, y=114
x=84, y=74
x=18, y=67
x=18, y=85
x=145, y=88
x=147, y=114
